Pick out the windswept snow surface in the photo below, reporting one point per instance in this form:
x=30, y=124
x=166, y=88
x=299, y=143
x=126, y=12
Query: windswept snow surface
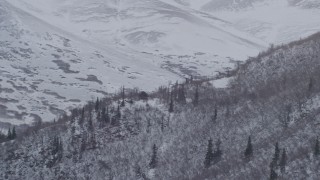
x=275, y=21
x=57, y=54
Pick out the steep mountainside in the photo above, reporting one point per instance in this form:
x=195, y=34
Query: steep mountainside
x=263, y=126
x=59, y=54
x=46, y=70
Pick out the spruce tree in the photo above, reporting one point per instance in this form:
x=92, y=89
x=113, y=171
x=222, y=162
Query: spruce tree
x=123, y=97
x=171, y=106
x=317, y=148
x=162, y=124
x=249, y=150
x=9, y=136
x=283, y=161
x=14, y=134
x=218, y=152
x=215, y=115
x=209, y=154
x=90, y=122
x=273, y=173
x=196, y=97
x=107, y=117
x=81, y=119
x=60, y=149
x=181, y=95
x=154, y=161
x=97, y=105
x=103, y=114
x=99, y=117
x=276, y=155
x=118, y=112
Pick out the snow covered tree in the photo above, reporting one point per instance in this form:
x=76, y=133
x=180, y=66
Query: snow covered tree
x=14, y=134
x=209, y=154
x=196, y=97
x=273, y=173
x=249, y=150
x=283, y=161
x=90, y=122
x=9, y=135
x=171, y=106
x=105, y=118
x=2, y=137
x=143, y=96
x=97, y=105
x=99, y=117
x=276, y=155
x=122, y=97
x=215, y=115
x=81, y=119
x=154, y=159
x=181, y=95
x=162, y=124
x=218, y=152
x=118, y=113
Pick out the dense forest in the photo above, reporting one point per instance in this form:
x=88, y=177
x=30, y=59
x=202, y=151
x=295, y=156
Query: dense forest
x=264, y=125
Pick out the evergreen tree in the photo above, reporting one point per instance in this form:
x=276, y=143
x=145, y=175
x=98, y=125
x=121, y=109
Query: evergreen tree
x=107, y=116
x=14, y=134
x=83, y=145
x=123, y=97
x=273, y=173
x=104, y=117
x=283, y=161
x=218, y=152
x=9, y=136
x=209, y=154
x=276, y=155
x=60, y=149
x=317, y=148
x=90, y=122
x=249, y=150
x=118, y=112
x=81, y=119
x=99, y=117
x=154, y=161
x=215, y=115
x=2, y=137
x=55, y=145
x=196, y=97
x=93, y=141
x=162, y=124
x=181, y=95
x=171, y=106
x=97, y=105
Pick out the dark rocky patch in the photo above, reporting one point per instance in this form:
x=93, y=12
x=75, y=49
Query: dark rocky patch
x=65, y=67
x=91, y=78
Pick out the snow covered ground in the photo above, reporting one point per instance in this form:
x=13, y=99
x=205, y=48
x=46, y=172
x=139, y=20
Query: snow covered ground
x=57, y=54
x=274, y=21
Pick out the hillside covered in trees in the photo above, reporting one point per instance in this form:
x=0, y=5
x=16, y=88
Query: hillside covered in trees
x=264, y=125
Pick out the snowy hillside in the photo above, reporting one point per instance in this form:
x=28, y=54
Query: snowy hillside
x=264, y=125
x=275, y=21
x=46, y=70
x=57, y=54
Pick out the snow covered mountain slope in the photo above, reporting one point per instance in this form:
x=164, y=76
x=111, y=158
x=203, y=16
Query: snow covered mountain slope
x=274, y=21
x=66, y=52
x=45, y=70
x=58, y=54
x=153, y=26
